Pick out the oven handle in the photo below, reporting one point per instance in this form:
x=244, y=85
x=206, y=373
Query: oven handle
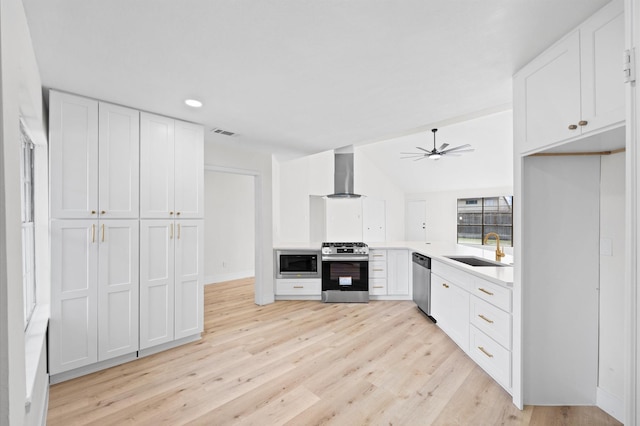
x=345, y=258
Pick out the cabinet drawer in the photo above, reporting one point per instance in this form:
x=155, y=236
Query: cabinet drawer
x=492, y=293
x=453, y=275
x=375, y=255
x=495, y=322
x=378, y=269
x=378, y=286
x=312, y=287
x=493, y=358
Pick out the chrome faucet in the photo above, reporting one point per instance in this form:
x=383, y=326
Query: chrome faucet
x=499, y=252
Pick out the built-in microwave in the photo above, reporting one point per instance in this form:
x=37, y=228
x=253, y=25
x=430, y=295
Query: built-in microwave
x=297, y=264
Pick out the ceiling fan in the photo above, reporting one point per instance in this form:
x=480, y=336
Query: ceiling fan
x=436, y=154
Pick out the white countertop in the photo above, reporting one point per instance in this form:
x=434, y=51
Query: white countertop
x=502, y=275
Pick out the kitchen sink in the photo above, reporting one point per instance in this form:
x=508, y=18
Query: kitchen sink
x=475, y=261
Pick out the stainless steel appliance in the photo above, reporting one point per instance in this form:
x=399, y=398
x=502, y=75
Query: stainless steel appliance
x=422, y=283
x=345, y=272
x=297, y=264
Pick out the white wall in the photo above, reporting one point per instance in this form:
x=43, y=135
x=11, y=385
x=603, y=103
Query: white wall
x=220, y=151
x=442, y=209
x=612, y=276
x=229, y=244
x=21, y=95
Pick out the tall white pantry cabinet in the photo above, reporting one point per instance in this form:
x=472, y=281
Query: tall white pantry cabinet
x=101, y=309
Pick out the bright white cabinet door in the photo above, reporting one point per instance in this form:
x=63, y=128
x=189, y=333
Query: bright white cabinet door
x=189, y=170
x=73, y=152
x=373, y=220
x=73, y=339
x=156, y=282
x=440, y=303
x=398, y=272
x=117, y=288
x=601, y=46
x=189, y=287
x=450, y=308
x=547, y=96
x=156, y=167
x=119, y=159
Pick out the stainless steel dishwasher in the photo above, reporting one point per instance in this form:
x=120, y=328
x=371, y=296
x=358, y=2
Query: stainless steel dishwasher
x=422, y=283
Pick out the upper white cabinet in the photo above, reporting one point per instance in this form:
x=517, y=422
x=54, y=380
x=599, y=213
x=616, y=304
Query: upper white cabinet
x=94, y=157
x=171, y=168
x=346, y=219
x=575, y=87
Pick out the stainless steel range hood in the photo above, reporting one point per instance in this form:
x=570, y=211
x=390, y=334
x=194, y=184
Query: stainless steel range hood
x=343, y=174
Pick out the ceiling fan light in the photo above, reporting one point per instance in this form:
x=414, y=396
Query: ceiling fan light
x=434, y=156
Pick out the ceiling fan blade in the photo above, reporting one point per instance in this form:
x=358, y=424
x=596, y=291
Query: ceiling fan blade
x=443, y=146
x=422, y=149
x=457, y=148
x=418, y=156
x=421, y=158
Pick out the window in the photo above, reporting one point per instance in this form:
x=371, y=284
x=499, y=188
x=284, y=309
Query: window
x=28, y=231
x=478, y=216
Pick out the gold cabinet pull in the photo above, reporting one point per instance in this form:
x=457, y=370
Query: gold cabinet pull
x=93, y=212
x=485, y=352
x=177, y=213
x=445, y=285
x=485, y=291
x=103, y=232
x=583, y=123
x=178, y=231
x=298, y=286
x=572, y=127
x=171, y=232
x=378, y=286
x=378, y=255
x=93, y=233
x=378, y=269
x=102, y=212
x=486, y=319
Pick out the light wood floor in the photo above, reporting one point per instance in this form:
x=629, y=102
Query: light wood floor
x=303, y=363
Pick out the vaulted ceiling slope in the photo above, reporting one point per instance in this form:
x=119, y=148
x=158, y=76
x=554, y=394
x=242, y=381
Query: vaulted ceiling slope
x=298, y=75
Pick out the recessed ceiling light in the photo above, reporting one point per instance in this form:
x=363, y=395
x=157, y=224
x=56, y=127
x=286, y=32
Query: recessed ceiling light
x=194, y=103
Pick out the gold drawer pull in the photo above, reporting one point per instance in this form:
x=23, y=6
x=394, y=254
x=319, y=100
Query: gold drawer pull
x=485, y=291
x=378, y=270
x=572, y=127
x=485, y=352
x=486, y=319
x=445, y=285
x=378, y=286
x=298, y=286
x=583, y=123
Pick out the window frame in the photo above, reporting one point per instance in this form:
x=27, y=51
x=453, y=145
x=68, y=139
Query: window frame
x=27, y=205
x=483, y=213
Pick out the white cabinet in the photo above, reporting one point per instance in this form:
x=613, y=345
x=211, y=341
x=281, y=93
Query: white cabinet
x=94, y=150
x=299, y=287
x=389, y=273
x=575, y=87
x=171, y=168
x=346, y=219
x=450, y=308
x=373, y=220
x=94, y=292
x=171, y=280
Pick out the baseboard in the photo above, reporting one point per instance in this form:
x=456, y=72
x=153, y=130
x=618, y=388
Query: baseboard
x=218, y=278
x=92, y=368
x=610, y=404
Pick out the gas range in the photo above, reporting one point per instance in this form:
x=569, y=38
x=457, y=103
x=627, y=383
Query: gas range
x=343, y=249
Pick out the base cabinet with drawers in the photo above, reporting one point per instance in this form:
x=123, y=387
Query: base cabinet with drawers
x=302, y=288
x=389, y=273
x=477, y=315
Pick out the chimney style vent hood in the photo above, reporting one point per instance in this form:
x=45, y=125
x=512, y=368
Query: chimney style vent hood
x=343, y=174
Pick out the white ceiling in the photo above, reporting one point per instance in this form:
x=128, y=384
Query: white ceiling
x=298, y=75
x=490, y=165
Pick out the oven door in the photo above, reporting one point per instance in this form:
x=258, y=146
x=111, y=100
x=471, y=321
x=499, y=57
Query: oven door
x=345, y=274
